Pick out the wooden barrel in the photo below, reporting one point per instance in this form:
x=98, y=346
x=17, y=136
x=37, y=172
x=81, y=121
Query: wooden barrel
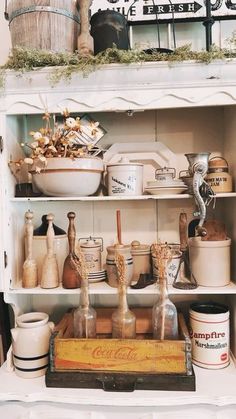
x=44, y=24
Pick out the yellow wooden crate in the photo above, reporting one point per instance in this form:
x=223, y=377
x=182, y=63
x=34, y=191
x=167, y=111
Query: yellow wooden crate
x=141, y=355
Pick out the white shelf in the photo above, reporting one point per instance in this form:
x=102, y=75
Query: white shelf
x=116, y=198
x=102, y=288
x=214, y=387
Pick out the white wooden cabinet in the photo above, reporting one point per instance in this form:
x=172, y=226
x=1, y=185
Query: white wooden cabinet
x=189, y=107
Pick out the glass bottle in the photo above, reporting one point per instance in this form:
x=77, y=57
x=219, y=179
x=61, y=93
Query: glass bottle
x=85, y=316
x=164, y=314
x=123, y=319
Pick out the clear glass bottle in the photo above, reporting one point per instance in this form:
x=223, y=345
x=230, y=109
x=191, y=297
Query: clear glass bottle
x=85, y=315
x=123, y=319
x=164, y=314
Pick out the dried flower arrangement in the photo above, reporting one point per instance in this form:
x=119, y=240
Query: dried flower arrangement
x=76, y=137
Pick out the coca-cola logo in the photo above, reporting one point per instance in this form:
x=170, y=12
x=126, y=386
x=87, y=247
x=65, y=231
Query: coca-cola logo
x=121, y=353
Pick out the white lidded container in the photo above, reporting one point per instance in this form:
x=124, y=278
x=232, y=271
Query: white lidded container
x=125, y=178
x=210, y=261
x=92, y=248
x=209, y=332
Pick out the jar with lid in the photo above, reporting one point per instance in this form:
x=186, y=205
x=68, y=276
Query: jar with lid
x=165, y=174
x=141, y=254
x=112, y=274
x=218, y=177
x=92, y=248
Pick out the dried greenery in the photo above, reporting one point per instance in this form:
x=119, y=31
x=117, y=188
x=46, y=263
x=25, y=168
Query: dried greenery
x=66, y=64
x=63, y=140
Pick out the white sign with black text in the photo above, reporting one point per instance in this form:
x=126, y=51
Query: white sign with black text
x=149, y=10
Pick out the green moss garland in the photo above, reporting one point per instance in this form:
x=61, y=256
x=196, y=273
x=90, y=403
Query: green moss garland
x=25, y=59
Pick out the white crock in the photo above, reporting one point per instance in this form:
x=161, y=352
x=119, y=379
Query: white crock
x=111, y=268
x=210, y=261
x=125, y=178
x=30, y=344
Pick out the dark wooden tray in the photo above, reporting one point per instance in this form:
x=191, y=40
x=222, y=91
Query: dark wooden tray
x=128, y=382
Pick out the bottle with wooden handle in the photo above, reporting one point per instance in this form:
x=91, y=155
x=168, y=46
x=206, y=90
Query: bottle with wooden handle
x=85, y=40
x=164, y=312
x=123, y=319
x=85, y=315
x=50, y=273
x=71, y=277
x=30, y=271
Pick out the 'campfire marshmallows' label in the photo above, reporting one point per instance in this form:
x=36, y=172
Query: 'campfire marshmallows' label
x=210, y=340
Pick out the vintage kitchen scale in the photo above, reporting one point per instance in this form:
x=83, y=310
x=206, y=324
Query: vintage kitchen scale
x=120, y=364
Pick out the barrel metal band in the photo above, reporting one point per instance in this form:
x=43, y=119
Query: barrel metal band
x=32, y=9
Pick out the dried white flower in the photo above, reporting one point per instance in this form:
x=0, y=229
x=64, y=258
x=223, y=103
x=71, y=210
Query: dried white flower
x=34, y=144
x=46, y=140
x=28, y=160
x=42, y=159
x=37, y=135
x=70, y=122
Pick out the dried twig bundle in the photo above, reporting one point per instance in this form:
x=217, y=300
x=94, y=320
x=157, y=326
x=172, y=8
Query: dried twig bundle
x=162, y=254
x=121, y=268
x=80, y=265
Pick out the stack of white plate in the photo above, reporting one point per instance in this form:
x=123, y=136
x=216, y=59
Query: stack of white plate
x=97, y=276
x=165, y=187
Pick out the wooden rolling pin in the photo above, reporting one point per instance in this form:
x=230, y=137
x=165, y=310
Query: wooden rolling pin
x=85, y=40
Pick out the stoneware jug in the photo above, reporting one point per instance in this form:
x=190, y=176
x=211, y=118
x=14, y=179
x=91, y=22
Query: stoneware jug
x=30, y=344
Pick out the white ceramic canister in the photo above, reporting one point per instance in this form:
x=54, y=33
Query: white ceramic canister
x=141, y=254
x=210, y=261
x=112, y=276
x=39, y=249
x=209, y=332
x=218, y=176
x=125, y=178
x=172, y=266
x=30, y=344
x=92, y=248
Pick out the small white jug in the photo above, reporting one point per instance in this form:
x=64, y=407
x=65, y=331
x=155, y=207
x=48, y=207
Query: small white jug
x=30, y=344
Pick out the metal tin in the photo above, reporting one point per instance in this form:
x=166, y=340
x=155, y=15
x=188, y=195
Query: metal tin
x=218, y=176
x=209, y=332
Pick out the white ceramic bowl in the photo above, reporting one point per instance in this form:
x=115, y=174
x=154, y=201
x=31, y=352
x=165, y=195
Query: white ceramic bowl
x=66, y=177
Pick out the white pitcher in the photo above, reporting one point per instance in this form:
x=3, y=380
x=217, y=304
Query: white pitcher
x=30, y=344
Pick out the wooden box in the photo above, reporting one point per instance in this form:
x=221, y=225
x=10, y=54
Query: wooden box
x=116, y=364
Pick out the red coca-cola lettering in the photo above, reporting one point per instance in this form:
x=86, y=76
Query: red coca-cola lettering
x=124, y=352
